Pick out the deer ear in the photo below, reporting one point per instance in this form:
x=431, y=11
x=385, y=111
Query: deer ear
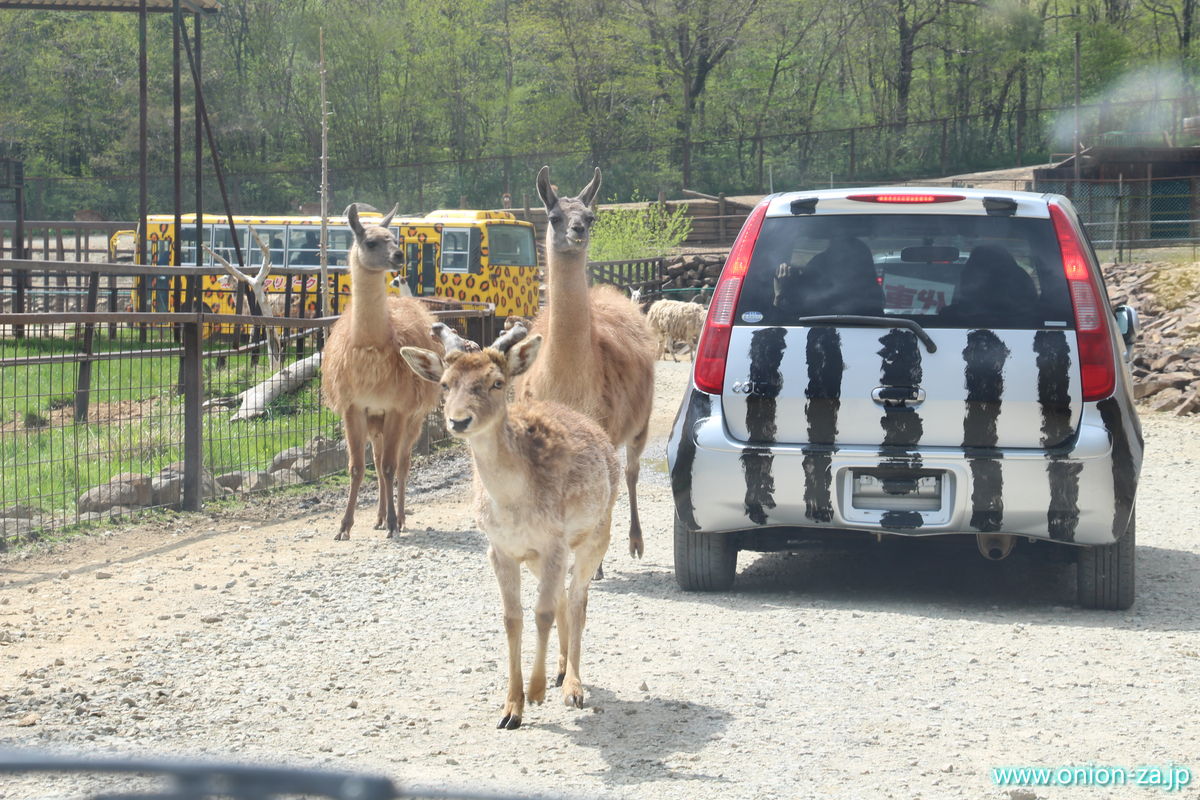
x=545, y=189
x=352, y=218
x=425, y=363
x=383, y=223
x=588, y=195
x=522, y=355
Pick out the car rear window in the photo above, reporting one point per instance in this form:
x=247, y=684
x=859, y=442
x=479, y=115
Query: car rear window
x=942, y=271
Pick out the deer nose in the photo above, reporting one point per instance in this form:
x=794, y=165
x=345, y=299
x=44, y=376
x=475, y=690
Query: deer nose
x=459, y=425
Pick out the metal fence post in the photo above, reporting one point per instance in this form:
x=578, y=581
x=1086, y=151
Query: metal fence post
x=193, y=397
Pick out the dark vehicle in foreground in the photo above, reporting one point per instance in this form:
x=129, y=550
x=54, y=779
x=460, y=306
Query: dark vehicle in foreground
x=913, y=362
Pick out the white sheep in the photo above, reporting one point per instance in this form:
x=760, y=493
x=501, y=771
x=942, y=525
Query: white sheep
x=676, y=320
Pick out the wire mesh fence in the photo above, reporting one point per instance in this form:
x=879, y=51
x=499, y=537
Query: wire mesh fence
x=106, y=414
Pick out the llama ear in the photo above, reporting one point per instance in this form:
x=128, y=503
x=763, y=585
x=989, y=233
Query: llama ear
x=383, y=223
x=522, y=355
x=546, y=189
x=424, y=362
x=352, y=218
x=588, y=195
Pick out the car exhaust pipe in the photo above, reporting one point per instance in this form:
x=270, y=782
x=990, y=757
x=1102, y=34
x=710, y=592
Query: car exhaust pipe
x=995, y=546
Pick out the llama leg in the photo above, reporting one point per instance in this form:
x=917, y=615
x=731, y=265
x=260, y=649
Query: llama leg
x=392, y=430
x=356, y=440
x=552, y=574
x=587, y=557
x=671, y=347
x=508, y=575
x=377, y=453
x=410, y=432
x=633, y=465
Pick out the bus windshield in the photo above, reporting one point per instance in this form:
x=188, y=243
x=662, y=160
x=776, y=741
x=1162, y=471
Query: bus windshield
x=511, y=245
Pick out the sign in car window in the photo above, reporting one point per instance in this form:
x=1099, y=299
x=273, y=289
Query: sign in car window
x=904, y=294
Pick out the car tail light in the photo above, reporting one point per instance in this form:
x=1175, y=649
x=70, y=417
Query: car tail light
x=906, y=198
x=709, y=372
x=1097, y=361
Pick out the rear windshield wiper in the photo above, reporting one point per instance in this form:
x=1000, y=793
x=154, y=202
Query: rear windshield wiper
x=872, y=322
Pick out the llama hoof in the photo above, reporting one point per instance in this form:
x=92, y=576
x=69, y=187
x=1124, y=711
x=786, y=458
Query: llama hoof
x=342, y=536
x=635, y=546
x=599, y=576
x=536, y=692
x=509, y=722
x=558, y=681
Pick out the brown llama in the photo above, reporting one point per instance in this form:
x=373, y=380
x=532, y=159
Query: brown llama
x=599, y=354
x=365, y=378
x=546, y=478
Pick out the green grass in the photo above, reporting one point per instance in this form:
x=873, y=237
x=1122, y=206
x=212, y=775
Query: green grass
x=136, y=421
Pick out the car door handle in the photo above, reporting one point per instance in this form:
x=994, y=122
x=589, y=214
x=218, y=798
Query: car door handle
x=898, y=396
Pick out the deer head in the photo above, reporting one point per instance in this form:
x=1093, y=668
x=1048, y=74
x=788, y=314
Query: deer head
x=377, y=248
x=570, y=218
x=475, y=384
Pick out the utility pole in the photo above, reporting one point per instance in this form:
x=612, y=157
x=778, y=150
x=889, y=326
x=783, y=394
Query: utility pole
x=323, y=292
x=1075, y=160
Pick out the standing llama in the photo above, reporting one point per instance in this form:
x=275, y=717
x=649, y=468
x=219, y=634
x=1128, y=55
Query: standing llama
x=599, y=353
x=546, y=478
x=365, y=378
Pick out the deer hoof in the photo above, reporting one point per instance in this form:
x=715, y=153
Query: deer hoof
x=558, y=681
x=509, y=722
x=342, y=536
x=635, y=546
x=599, y=576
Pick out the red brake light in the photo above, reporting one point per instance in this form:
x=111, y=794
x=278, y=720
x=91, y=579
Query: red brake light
x=709, y=371
x=1097, y=361
x=906, y=198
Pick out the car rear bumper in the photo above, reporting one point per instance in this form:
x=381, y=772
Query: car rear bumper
x=1082, y=494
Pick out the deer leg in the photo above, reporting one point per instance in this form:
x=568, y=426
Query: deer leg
x=587, y=557
x=552, y=575
x=508, y=575
x=671, y=347
x=356, y=438
x=564, y=630
x=633, y=465
x=392, y=447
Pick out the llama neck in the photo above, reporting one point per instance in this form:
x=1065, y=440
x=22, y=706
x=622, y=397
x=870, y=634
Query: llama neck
x=368, y=301
x=568, y=347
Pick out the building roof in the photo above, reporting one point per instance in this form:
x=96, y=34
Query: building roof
x=188, y=6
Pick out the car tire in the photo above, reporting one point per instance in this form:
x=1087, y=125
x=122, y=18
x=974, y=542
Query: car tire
x=704, y=562
x=1105, y=575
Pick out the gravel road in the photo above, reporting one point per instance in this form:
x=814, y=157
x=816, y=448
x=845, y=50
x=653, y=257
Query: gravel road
x=905, y=669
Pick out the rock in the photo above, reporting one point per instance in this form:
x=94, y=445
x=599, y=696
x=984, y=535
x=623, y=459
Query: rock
x=28, y=721
x=103, y=576
x=231, y=480
x=167, y=490
x=284, y=477
x=128, y=490
x=15, y=528
x=285, y=459
x=21, y=511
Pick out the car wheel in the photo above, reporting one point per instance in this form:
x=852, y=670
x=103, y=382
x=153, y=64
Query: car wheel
x=704, y=562
x=1105, y=575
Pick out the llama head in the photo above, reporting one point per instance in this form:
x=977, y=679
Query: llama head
x=570, y=218
x=475, y=384
x=375, y=245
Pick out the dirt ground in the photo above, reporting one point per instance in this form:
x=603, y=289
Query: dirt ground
x=907, y=669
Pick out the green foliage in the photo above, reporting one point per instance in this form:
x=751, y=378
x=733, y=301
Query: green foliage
x=638, y=231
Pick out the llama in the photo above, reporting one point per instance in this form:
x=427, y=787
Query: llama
x=365, y=378
x=546, y=479
x=676, y=320
x=599, y=353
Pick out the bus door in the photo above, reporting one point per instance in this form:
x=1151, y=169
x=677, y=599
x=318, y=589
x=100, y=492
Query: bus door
x=421, y=260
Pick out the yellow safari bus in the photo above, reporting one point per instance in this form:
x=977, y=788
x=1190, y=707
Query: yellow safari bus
x=460, y=255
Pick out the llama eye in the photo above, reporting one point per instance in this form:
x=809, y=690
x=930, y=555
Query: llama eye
x=445, y=386
x=372, y=244
x=556, y=219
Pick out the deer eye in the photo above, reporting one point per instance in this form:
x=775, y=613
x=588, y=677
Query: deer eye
x=445, y=386
x=499, y=384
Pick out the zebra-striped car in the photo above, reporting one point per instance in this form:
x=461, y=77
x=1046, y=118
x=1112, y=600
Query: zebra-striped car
x=910, y=361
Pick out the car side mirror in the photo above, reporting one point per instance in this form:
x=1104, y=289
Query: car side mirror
x=1127, y=323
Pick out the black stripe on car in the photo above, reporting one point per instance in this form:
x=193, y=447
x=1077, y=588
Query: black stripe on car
x=901, y=366
x=766, y=354
x=825, y=367
x=1062, y=518
x=1054, y=385
x=699, y=407
x=1125, y=469
x=985, y=355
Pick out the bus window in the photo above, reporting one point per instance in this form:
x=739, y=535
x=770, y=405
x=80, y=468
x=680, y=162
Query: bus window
x=413, y=264
x=304, y=246
x=222, y=242
x=511, y=245
x=187, y=238
x=456, y=249
x=272, y=236
x=428, y=269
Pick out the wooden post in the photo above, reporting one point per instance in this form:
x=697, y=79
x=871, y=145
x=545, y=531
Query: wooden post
x=83, y=380
x=193, y=399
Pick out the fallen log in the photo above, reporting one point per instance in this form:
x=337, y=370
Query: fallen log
x=254, y=401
